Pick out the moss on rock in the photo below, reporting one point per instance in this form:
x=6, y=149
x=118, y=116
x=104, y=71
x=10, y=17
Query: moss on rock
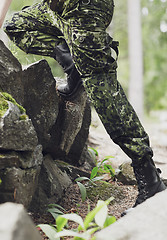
x=4, y=98
x=103, y=191
x=3, y=106
x=8, y=97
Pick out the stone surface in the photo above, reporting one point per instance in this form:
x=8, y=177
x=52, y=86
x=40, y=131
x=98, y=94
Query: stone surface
x=72, y=171
x=18, y=185
x=73, y=119
x=16, y=134
x=126, y=174
x=22, y=160
x=41, y=102
x=80, y=142
x=52, y=184
x=146, y=221
x=16, y=224
x=10, y=74
x=54, y=129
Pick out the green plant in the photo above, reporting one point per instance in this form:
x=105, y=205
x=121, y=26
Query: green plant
x=105, y=166
x=82, y=187
x=101, y=168
x=95, y=220
x=55, y=210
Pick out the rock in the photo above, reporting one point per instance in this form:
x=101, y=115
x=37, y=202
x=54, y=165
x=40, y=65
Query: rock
x=146, y=221
x=16, y=134
x=41, y=101
x=22, y=160
x=126, y=174
x=16, y=224
x=80, y=142
x=10, y=74
x=72, y=171
x=103, y=191
x=73, y=119
x=62, y=126
x=18, y=185
x=20, y=154
x=53, y=127
x=52, y=184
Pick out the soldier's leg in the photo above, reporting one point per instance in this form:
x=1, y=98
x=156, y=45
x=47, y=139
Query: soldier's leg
x=92, y=55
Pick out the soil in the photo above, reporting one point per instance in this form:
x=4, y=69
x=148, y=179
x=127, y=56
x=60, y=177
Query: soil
x=72, y=203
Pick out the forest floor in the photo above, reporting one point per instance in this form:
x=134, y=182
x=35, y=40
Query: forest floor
x=156, y=126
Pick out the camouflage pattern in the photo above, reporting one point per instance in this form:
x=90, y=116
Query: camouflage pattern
x=82, y=24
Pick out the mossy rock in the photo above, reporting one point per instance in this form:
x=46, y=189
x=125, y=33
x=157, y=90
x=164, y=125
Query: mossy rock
x=103, y=191
x=4, y=98
x=3, y=106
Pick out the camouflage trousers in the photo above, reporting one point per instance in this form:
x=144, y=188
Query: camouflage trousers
x=82, y=24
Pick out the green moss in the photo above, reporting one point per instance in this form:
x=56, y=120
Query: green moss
x=4, y=98
x=103, y=191
x=3, y=106
x=23, y=117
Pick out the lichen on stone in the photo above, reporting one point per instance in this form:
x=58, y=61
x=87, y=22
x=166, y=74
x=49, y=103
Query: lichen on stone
x=4, y=98
x=8, y=97
x=3, y=105
x=103, y=190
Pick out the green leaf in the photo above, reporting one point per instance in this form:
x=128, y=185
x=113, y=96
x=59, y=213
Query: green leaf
x=82, y=190
x=94, y=172
x=102, y=214
x=97, y=178
x=49, y=231
x=110, y=169
x=93, y=151
x=55, y=210
x=75, y=218
x=54, y=215
x=78, y=238
x=110, y=220
x=56, y=205
x=93, y=230
x=89, y=218
x=107, y=157
x=80, y=179
x=60, y=223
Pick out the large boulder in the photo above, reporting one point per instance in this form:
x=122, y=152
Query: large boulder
x=41, y=101
x=16, y=224
x=20, y=154
x=62, y=126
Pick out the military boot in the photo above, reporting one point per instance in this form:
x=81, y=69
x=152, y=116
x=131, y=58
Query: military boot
x=63, y=57
x=148, y=181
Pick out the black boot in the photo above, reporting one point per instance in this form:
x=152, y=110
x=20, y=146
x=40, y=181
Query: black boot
x=63, y=57
x=148, y=181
